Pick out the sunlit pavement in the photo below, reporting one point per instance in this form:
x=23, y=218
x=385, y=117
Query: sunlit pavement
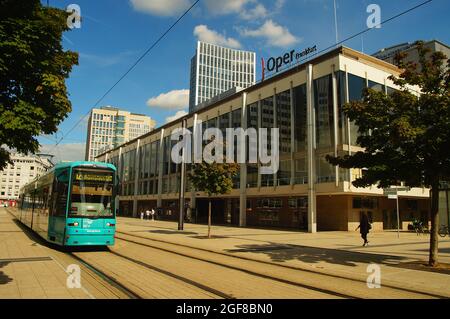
x=269, y=264
x=338, y=253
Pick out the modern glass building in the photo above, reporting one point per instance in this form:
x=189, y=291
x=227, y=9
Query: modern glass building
x=216, y=69
x=305, y=103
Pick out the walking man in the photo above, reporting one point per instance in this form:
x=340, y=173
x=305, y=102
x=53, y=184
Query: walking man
x=364, y=228
x=147, y=214
x=142, y=214
x=153, y=214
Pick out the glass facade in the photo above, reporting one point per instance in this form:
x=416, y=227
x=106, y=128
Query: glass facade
x=216, y=69
x=286, y=110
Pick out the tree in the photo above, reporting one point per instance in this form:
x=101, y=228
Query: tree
x=33, y=69
x=213, y=179
x=406, y=136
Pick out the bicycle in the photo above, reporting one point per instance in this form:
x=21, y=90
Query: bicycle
x=418, y=227
x=443, y=231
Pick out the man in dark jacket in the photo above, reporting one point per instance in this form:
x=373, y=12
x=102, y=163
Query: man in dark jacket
x=364, y=228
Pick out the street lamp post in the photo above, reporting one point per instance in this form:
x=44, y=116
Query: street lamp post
x=182, y=183
x=392, y=193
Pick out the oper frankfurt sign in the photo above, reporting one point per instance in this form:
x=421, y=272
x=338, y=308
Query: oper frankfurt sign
x=275, y=63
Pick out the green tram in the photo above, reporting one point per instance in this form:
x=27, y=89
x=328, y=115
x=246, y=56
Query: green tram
x=72, y=204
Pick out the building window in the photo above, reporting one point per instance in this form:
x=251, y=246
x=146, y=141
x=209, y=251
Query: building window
x=365, y=202
x=300, y=118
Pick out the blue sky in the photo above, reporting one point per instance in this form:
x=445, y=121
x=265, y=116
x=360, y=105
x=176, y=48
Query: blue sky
x=114, y=33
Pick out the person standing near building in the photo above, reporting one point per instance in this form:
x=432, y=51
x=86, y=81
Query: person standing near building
x=142, y=214
x=153, y=214
x=147, y=214
x=364, y=228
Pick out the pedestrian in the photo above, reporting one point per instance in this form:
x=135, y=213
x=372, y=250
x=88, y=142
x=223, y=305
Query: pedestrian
x=364, y=228
x=142, y=214
x=147, y=214
x=153, y=214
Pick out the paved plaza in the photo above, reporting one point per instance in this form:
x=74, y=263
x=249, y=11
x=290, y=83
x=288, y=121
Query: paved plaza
x=156, y=260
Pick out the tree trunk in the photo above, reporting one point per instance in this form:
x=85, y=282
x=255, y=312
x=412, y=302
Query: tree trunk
x=433, y=259
x=209, y=219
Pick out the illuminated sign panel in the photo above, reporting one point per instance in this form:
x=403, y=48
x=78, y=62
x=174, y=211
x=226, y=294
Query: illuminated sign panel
x=93, y=177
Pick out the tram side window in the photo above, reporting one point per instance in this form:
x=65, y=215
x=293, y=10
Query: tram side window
x=61, y=187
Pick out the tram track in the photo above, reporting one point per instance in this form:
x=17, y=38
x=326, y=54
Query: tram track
x=116, y=285
x=197, y=251
x=109, y=279
x=249, y=272
x=139, y=267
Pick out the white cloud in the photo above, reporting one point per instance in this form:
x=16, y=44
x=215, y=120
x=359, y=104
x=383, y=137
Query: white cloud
x=279, y=4
x=274, y=34
x=65, y=152
x=257, y=12
x=221, y=7
x=176, y=99
x=204, y=34
x=176, y=116
x=165, y=8
x=240, y=7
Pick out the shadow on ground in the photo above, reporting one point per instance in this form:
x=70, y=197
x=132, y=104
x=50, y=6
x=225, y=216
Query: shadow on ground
x=39, y=240
x=171, y=232
x=312, y=255
x=4, y=278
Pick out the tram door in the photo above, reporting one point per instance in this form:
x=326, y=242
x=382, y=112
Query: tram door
x=58, y=208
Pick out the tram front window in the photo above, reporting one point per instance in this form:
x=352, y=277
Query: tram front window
x=92, y=193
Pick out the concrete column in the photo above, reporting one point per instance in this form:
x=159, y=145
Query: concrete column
x=243, y=170
x=347, y=98
x=193, y=202
x=291, y=92
x=160, y=169
x=312, y=213
x=119, y=169
x=275, y=124
x=136, y=178
x=335, y=121
x=258, y=183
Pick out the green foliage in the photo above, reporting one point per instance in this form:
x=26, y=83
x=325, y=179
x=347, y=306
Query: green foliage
x=213, y=179
x=406, y=136
x=33, y=69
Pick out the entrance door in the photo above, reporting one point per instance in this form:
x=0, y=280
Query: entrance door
x=389, y=219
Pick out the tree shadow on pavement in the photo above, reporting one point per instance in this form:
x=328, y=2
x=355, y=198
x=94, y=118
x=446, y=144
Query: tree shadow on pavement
x=172, y=232
x=314, y=255
x=4, y=278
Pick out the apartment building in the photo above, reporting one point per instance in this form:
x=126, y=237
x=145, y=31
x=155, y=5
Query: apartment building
x=109, y=127
x=23, y=170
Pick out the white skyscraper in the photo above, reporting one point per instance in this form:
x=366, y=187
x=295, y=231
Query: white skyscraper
x=216, y=69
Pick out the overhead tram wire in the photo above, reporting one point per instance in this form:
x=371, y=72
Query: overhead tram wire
x=130, y=69
x=296, y=65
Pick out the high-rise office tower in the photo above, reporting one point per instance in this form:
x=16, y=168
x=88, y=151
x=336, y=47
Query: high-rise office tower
x=109, y=127
x=216, y=69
